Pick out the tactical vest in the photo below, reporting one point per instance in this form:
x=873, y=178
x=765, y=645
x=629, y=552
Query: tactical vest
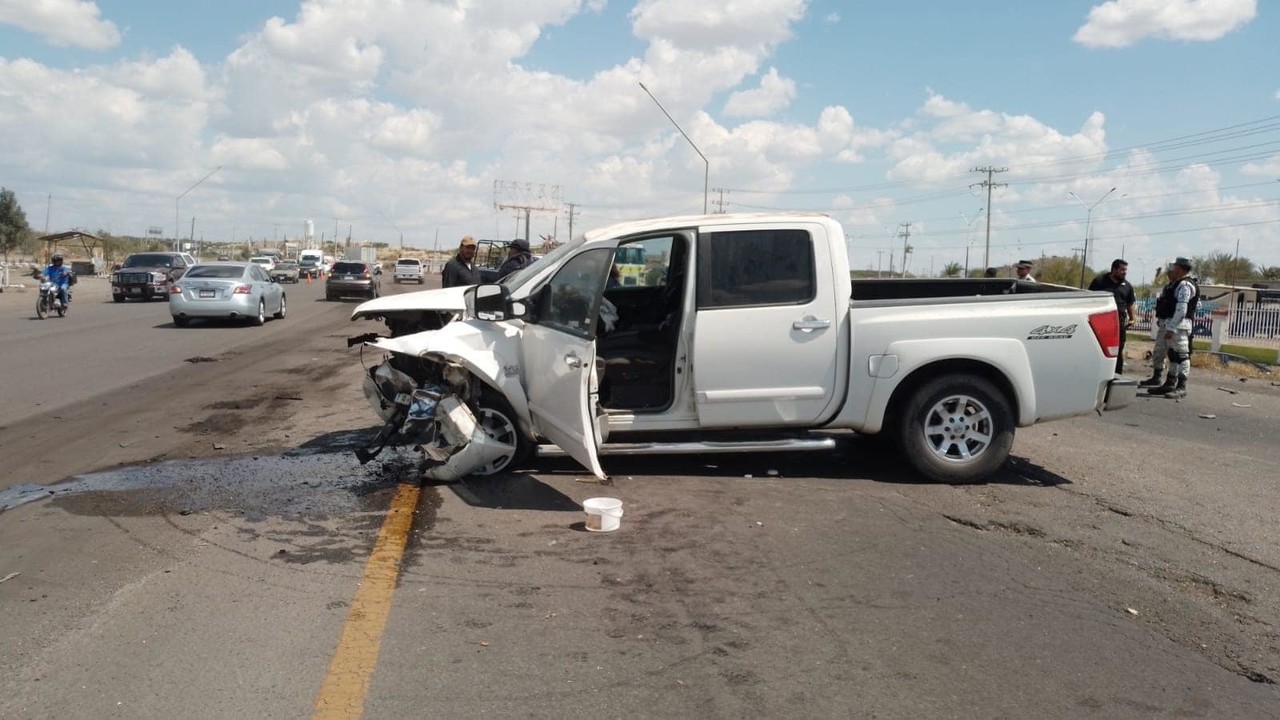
x=1168, y=301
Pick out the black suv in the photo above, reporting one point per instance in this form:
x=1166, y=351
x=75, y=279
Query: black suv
x=148, y=275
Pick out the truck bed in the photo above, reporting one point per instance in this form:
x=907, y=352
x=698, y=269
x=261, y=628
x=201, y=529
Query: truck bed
x=926, y=288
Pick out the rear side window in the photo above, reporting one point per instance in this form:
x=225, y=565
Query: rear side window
x=216, y=271
x=416, y=263
x=746, y=268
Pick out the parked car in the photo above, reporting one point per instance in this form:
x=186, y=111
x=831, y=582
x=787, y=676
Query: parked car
x=148, y=275
x=408, y=269
x=353, y=278
x=286, y=271
x=234, y=291
x=745, y=333
x=267, y=262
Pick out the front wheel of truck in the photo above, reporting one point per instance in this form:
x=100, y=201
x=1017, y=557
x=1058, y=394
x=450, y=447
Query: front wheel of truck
x=499, y=422
x=956, y=429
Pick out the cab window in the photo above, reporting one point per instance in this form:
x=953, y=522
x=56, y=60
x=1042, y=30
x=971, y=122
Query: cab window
x=749, y=268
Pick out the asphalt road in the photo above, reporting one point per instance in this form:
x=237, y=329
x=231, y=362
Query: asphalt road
x=1123, y=566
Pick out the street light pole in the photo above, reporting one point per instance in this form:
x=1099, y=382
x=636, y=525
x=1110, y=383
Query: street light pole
x=177, y=241
x=706, y=175
x=1088, y=220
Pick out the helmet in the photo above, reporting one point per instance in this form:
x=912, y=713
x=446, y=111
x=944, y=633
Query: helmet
x=57, y=258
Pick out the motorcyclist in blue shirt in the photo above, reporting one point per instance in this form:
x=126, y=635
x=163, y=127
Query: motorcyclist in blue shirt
x=60, y=275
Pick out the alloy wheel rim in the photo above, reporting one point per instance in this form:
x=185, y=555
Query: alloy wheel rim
x=958, y=429
x=499, y=427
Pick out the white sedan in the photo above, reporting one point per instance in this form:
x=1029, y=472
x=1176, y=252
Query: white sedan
x=234, y=291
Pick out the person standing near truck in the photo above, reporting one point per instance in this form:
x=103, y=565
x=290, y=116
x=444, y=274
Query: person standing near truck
x=1175, y=310
x=1126, y=301
x=461, y=270
x=518, y=256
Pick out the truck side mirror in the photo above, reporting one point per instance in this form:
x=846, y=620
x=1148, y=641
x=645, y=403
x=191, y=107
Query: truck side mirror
x=492, y=303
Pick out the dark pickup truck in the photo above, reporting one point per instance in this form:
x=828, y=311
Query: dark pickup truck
x=145, y=276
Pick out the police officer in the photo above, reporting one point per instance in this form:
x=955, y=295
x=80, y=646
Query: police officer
x=1175, y=309
x=1126, y=302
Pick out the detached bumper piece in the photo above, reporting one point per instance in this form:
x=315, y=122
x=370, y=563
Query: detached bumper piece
x=1121, y=392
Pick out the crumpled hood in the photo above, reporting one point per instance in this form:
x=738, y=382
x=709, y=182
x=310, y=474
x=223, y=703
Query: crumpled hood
x=443, y=299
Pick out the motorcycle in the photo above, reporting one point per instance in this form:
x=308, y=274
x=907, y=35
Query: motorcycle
x=47, y=300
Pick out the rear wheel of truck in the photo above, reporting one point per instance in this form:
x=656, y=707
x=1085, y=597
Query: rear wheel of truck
x=499, y=422
x=956, y=429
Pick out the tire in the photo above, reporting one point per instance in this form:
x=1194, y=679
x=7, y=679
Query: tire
x=118, y=298
x=62, y=311
x=395, y=281
x=499, y=422
x=179, y=321
x=956, y=429
x=261, y=318
x=42, y=307
x=280, y=313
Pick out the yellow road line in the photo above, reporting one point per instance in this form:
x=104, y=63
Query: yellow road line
x=345, y=686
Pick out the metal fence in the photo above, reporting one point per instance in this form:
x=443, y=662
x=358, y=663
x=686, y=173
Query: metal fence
x=1247, y=325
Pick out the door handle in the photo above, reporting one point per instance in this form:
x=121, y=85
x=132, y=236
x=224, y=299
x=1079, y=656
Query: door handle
x=573, y=361
x=810, y=323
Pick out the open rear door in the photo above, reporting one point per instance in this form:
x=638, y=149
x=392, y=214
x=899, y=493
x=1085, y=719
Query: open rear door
x=558, y=357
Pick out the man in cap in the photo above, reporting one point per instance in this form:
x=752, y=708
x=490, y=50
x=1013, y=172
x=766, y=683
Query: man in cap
x=461, y=270
x=1024, y=270
x=1175, y=309
x=1126, y=301
x=518, y=256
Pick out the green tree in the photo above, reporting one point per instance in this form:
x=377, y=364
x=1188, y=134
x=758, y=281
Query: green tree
x=13, y=223
x=1062, y=271
x=1223, y=268
x=952, y=269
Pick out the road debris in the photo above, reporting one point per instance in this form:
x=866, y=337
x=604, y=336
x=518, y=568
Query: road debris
x=200, y=359
x=287, y=397
x=9, y=577
x=1131, y=611
x=1208, y=416
x=1243, y=405
x=219, y=446
x=1229, y=390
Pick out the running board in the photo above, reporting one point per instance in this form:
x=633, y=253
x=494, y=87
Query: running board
x=698, y=448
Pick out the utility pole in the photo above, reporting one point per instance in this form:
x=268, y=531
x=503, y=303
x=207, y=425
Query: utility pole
x=573, y=212
x=721, y=203
x=906, y=248
x=879, y=262
x=990, y=171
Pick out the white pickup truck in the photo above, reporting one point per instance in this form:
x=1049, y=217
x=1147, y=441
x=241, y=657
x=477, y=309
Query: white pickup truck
x=739, y=333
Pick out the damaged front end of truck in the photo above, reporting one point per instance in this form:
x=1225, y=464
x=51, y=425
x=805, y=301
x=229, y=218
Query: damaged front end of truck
x=437, y=403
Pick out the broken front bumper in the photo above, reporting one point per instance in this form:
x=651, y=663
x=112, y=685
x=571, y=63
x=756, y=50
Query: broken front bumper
x=434, y=420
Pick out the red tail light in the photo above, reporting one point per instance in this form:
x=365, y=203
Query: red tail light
x=175, y=290
x=1106, y=328
x=243, y=290
x=366, y=275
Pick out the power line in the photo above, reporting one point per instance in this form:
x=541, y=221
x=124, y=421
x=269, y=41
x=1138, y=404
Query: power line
x=986, y=252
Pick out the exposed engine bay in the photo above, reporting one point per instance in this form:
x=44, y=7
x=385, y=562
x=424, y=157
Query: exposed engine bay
x=439, y=408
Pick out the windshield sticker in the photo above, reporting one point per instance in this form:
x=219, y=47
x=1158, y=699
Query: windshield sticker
x=1053, y=332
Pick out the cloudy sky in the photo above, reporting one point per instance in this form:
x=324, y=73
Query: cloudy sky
x=385, y=118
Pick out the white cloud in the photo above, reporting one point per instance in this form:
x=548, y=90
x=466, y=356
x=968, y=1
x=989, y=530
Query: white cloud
x=1121, y=23
x=75, y=23
x=831, y=18
x=1267, y=168
x=773, y=95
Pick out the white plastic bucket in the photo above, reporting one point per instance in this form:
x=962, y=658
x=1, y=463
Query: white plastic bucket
x=603, y=514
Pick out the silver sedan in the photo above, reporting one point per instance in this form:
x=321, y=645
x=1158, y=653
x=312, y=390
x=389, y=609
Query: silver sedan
x=235, y=291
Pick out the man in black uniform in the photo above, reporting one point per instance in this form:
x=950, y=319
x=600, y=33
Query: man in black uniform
x=1126, y=301
x=461, y=270
x=518, y=256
